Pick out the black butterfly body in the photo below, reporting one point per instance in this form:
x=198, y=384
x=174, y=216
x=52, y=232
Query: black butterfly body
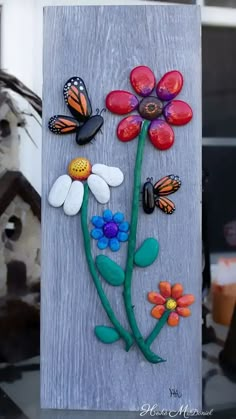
x=82, y=123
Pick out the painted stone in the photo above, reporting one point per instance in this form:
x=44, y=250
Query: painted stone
x=99, y=188
x=110, y=270
x=178, y=112
x=110, y=230
x=59, y=191
x=113, y=176
x=170, y=85
x=88, y=131
x=147, y=253
x=74, y=198
x=142, y=80
x=150, y=108
x=161, y=134
x=106, y=334
x=129, y=128
x=148, y=197
x=79, y=168
x=121, y=102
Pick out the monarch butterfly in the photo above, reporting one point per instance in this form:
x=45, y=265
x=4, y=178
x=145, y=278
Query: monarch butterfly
x=82, y=123
x=155, y=195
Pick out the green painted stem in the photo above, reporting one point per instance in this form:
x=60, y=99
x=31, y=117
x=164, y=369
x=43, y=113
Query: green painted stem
x=149, y=355
x=105, y=303
x=157, y=328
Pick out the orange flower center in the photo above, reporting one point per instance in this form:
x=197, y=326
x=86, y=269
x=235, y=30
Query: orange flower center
x=79, y=168
x=171, y=304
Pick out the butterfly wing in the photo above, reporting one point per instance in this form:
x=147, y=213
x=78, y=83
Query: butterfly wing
x=60, y=124
x=76, y=98
x=165, y=204
x=167, y=185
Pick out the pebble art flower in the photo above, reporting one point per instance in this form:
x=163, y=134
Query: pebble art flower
x=68, y=189
x=170, y=298
x=109, y=230
x=161, y=110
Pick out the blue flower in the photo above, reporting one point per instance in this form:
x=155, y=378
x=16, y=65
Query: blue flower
x=110, y=230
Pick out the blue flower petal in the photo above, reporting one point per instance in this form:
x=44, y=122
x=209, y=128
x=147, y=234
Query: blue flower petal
x=97, y=221
x=124, y=226
x=122, y=236
x=114, y=244
x=96, y=233
x=103, y=243
x=107, y=215
x=118, y=217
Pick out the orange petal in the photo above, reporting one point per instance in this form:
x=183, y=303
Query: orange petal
x=177, y=291
x=157, y=311
x=156, y=298
x=165, y=289
x=173, y=319
x=183, y=311
x=186, y=300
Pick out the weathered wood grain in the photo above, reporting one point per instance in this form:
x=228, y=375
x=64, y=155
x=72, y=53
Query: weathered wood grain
x=102, y=45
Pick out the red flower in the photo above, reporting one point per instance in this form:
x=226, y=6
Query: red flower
x=171, y=298
x=161, y=110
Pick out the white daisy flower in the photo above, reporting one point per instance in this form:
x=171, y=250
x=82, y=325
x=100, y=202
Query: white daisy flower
x=68, y=189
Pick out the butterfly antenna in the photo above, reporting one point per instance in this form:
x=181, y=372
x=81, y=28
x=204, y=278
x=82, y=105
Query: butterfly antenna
x=97, y=111
x=103, y=110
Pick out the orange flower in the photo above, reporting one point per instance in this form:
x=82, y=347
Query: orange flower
x=171, y=298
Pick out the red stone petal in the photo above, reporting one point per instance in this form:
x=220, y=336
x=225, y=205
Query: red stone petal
x=142, y=80
x=157, y=311
x=156, y=298
x=165, y=289
x=173, y=319
x=161, y=134
x=121, y=102
x=183, y=311
x=170, y=85
x=178, y=112
x=129, y=128
x=177, y=291
x=186, y=300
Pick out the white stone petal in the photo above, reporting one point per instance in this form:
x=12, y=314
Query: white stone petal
x=59, y=191
x=113, y=176
x=99, y=188
x=74, y=198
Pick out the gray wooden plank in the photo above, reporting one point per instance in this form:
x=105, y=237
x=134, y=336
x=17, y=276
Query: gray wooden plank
x=102, y=45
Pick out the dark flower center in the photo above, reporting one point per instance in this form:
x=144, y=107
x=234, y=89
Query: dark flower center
x=150, y=108
x=110, y=230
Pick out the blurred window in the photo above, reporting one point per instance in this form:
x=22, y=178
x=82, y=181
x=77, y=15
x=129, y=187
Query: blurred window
x=221, y=3
x=219, y=85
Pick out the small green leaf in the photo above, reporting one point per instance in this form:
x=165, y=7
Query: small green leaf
x=146, y=253
x=106, y=334
x=110, y=271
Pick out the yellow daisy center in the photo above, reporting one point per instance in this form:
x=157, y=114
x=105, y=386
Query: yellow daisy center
x=171, y=304
x=79, y=168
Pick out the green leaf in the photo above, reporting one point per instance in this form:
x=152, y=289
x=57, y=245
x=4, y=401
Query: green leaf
x=146, y=253
x=110, y=271
x=106, y=334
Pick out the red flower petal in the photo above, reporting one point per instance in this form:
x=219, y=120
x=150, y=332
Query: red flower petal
x=170, y=85
x=156, y=298
x=186, y=300
x=177, y=291
x=129, y=128
x=142, y=80
x=173, y=319
x=165, y=289
x=161, y=134
x=157, y=311
x=178, y=112
x=121, y=102
x=183, y=311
